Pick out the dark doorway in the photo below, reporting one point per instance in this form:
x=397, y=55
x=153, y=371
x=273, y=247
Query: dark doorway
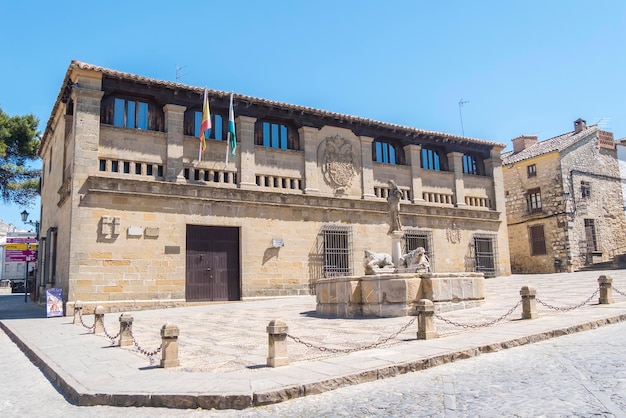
x=485, y=255
x=212, y=271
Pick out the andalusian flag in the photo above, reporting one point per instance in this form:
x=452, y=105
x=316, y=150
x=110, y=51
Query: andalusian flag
x=232, y=137
x=205, y=125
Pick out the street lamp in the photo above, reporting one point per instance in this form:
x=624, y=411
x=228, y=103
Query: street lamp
x=24, y=215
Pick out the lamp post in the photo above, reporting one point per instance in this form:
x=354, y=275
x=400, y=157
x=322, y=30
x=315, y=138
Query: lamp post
x=24, y=215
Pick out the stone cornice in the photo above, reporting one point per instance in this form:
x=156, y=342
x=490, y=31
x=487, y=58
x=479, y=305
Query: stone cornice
x=95, y=185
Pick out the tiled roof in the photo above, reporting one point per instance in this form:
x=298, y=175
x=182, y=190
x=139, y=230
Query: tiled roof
x=558, y=143
x=322, y=113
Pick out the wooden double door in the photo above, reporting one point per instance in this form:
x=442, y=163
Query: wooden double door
x=213, y=266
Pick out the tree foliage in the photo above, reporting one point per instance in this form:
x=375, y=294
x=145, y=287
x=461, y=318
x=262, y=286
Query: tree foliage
x=19, y=141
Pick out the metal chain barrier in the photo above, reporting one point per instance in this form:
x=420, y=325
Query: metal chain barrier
x=149, y=354
x=621, y=293
x=480, y=325
x=109, y=336
x=568, y=308
x=80, y=316
x=352, y=350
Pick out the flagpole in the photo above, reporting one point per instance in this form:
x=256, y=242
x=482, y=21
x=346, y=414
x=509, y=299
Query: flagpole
x=230, y=113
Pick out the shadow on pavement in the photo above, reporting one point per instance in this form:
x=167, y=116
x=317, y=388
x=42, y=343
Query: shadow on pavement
x=13, y=307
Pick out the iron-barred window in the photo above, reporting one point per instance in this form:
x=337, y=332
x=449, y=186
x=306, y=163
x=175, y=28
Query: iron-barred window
x=537, y=240
x=337, y=250
x=415, y=238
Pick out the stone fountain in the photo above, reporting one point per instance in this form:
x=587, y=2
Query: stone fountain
x=392, y=284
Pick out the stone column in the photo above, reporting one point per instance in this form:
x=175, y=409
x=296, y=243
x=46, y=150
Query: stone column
x=169, y=346
x=174, y=126
x=308, y=137
x=98, y=324
x=529, y=304
x=493, y=168
x=126, y=330
x=367, y=174
x=277, y=343
x=425, y=321
x=396, y=247
x=245, y=148
x=86, y=129
x=455, y=160
x=413, y=158
x=606, y=290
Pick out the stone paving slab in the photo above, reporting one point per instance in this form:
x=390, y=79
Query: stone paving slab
x=223, y=346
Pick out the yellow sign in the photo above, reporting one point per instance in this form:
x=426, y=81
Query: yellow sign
x=20, y=247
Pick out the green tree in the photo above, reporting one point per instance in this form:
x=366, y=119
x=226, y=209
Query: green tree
x=19, y=141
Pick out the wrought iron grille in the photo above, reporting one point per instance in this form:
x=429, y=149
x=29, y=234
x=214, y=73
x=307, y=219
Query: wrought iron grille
x=337, y=250
x=485, y=254
x=417, y=238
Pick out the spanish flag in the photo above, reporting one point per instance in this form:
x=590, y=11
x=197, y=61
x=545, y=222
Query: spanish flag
x=205, y=125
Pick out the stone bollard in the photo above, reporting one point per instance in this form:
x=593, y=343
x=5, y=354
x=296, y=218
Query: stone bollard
x=606, y=289
x=169, y=346
x=98, y=324
x=126, y=330
x=425, y=321
x=78, y=310
x=529, y=304
x=277, y=343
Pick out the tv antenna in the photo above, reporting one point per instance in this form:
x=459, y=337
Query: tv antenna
x=179, y=72
x=461, y=103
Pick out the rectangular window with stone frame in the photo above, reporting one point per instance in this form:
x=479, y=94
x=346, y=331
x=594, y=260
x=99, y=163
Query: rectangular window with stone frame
x=417, y=238
x=537, y=240
x=531, y=170
x=533, y=200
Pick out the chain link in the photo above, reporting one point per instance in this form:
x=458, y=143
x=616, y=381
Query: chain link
x=109, y=336
x=621, y=293
x=568, y=308
x=80, y=316
x=149, y=354
x=481, y=325
x=355, y=349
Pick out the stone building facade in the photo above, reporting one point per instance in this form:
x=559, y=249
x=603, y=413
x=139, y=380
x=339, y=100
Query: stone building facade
x=134, y=215
x=563, y=201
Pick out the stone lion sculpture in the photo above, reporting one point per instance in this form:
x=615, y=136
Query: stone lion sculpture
x=377, y=262
x=416, y=259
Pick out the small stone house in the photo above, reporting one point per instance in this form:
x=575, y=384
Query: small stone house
x=135, y=215
x=563, y=201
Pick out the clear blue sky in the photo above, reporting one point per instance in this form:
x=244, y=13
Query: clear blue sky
x=524, y=67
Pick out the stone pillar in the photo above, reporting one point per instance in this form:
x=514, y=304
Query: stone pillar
x=606, y=290
x=245, y=149
x=425, y=321
x=455, y=160
x=98, y=324
x=529, y=304
x=308, y=137
x=86, y=130
x=367, y=175
x=169, y=346
x=413, y=158
x=396, y=247
x=493, y=168
x=78, y=309
x=277, y=343
x=174, y=126
x=126, y=330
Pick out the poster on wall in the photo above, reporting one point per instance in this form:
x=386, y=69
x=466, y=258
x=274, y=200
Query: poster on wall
x=54, y=302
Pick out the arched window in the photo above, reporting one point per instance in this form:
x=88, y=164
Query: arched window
x=274, y=134
x=387, y=152
x=473, y=165
x=433, y=159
